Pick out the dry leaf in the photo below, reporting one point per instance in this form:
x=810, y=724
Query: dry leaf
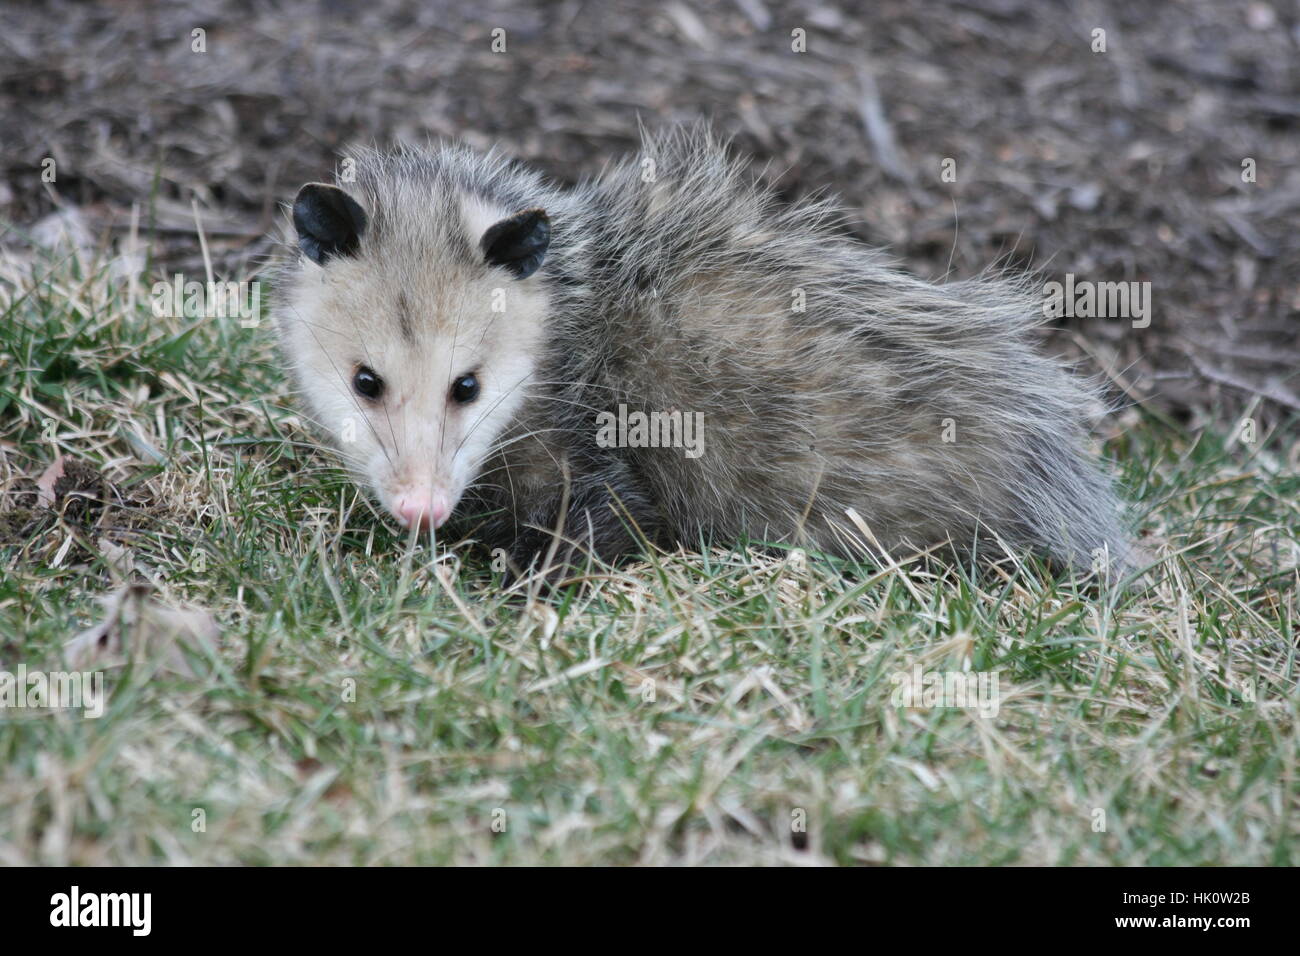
x=45, y=483
x=138, y=628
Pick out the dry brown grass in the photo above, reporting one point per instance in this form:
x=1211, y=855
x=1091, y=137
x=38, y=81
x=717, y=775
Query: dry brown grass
x=372, y=702
x=367, y=702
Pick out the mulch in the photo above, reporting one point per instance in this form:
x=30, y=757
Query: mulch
x=1123, y=165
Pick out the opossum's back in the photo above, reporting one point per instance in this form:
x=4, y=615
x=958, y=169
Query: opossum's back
x=924, y=435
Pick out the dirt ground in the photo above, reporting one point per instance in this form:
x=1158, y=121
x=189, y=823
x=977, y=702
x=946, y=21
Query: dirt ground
x=1122, y=165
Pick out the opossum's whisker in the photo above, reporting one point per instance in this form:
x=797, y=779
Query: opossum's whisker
x=387, y=417
x=483, y=416
x=347, y=388
x=451, y=363
x=509, y=440
x=321, y=326
x=571, y=402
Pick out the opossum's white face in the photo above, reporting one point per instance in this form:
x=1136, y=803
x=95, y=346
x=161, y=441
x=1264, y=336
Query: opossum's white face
x=414, y=330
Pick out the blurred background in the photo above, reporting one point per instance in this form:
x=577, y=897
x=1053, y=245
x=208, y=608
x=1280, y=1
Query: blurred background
x=1123, y=165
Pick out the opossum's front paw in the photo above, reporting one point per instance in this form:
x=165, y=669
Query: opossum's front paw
x=531, y=557
x=584, y=542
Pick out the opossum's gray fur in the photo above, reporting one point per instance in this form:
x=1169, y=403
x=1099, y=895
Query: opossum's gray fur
x=674, y=287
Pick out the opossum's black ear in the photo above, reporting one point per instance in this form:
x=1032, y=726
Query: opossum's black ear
x=328, y=220
x=518, y=243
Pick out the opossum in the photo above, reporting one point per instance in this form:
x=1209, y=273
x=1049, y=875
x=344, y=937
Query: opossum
x=475, y=339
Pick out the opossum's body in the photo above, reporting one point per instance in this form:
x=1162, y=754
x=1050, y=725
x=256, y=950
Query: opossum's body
x=827, y=379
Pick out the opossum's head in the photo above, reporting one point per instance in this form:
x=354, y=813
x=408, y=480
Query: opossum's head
x=414, y=322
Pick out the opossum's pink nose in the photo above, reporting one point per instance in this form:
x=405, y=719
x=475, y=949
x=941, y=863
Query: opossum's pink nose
x=423, y=508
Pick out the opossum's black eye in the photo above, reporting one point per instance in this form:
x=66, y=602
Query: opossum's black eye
x=465, y=389
x=367, y=384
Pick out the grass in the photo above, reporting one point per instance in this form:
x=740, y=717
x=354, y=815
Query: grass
x=372, y=702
